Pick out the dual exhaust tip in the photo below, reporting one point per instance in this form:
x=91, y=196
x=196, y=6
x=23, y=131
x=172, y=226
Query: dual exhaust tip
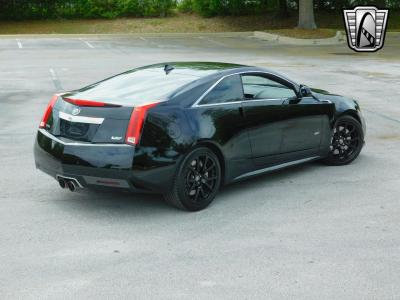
x=68, y=183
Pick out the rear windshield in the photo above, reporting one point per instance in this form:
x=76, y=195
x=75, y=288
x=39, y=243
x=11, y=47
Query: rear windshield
x=136, y=87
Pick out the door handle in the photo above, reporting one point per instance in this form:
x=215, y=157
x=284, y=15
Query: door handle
x=291, y=101
x=241, y=111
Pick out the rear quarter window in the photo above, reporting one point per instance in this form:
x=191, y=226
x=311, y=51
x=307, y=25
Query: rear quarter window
x=228, y=90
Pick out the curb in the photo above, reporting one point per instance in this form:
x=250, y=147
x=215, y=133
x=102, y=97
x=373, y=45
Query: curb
x=339, y=38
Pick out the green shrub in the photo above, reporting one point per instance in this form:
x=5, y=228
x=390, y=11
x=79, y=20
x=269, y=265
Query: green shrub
x=41, y=9
x=209, y=8
x=185, y=6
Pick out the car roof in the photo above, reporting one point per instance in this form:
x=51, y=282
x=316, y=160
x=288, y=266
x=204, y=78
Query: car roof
x=208, y=70
x=193, y=68
x=159, y=81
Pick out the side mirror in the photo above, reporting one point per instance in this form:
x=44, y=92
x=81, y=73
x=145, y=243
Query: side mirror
x=305, y=91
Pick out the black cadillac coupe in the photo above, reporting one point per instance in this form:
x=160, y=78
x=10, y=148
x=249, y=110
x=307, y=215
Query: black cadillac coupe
x=185, y=129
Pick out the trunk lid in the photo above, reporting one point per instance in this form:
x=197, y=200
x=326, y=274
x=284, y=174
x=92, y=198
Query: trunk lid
x=92, y=124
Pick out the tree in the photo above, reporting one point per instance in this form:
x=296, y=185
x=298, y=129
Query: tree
x=306, y=15
x=283, y=9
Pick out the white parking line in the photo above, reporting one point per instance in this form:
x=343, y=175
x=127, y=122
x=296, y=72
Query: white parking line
x=150, y=42
x=56, y=81
x=19, y=44
x=212, y=41
x=87, y=43
x=53, y=74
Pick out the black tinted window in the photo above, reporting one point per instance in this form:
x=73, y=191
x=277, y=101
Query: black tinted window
x=136, y=87
x=228, y=90
x=259, y=87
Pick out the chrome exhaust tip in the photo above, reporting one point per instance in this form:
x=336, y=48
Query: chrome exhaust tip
x=68, y=182
x=62, y=183
x=72, y=186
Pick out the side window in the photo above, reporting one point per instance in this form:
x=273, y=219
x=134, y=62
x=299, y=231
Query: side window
x=259, y=87
x=228, y=90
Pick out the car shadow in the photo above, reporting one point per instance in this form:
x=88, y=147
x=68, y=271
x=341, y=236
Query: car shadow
x=284, y=176
x=268, y=178
x=114, y=202
x=131, y=203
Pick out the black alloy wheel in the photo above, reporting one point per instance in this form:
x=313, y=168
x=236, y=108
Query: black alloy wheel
x=197, y=180
x=346, y=142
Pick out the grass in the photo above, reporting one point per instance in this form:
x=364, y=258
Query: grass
x=184, y=23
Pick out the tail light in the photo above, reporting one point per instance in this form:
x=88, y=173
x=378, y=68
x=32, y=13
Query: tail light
x=48, y=111
x=136, y=123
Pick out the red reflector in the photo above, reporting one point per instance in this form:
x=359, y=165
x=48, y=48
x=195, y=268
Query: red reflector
x=80, y=102
x=48, y=111
x=136, y=123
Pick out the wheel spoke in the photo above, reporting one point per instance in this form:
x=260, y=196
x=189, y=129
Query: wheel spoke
x=351, y=147
x=192, y=186
x=210, y=167
x=202, y=192
x=205, y=164
x=197, y=194
x=198, y=165
x=207, y=185
x=194, y=170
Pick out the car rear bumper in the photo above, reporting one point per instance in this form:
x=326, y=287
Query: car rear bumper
x=91, y=165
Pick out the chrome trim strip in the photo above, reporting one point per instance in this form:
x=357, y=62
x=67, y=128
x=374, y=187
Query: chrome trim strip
x=277, y=167
x=217, y=104
x=49, y=135
x=196, y=104
x=238, y=102
x=266, y=99
x=69, y=178
x=80, y=119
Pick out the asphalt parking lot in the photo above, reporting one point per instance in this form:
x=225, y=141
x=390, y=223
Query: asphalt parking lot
x=309, y=232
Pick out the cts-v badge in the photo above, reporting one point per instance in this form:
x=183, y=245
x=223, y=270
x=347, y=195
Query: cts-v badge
x=366, y=28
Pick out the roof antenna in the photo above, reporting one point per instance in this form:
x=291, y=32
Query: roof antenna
x=168, y=69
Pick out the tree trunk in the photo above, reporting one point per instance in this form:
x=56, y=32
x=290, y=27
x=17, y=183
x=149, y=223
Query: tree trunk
x=306, y=15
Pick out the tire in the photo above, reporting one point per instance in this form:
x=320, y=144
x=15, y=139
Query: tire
x=346, y=142
x=196, y=182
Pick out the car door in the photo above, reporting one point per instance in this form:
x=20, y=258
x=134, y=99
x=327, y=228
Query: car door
x=266, y=114
x=219, y=118
x=307, y=122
